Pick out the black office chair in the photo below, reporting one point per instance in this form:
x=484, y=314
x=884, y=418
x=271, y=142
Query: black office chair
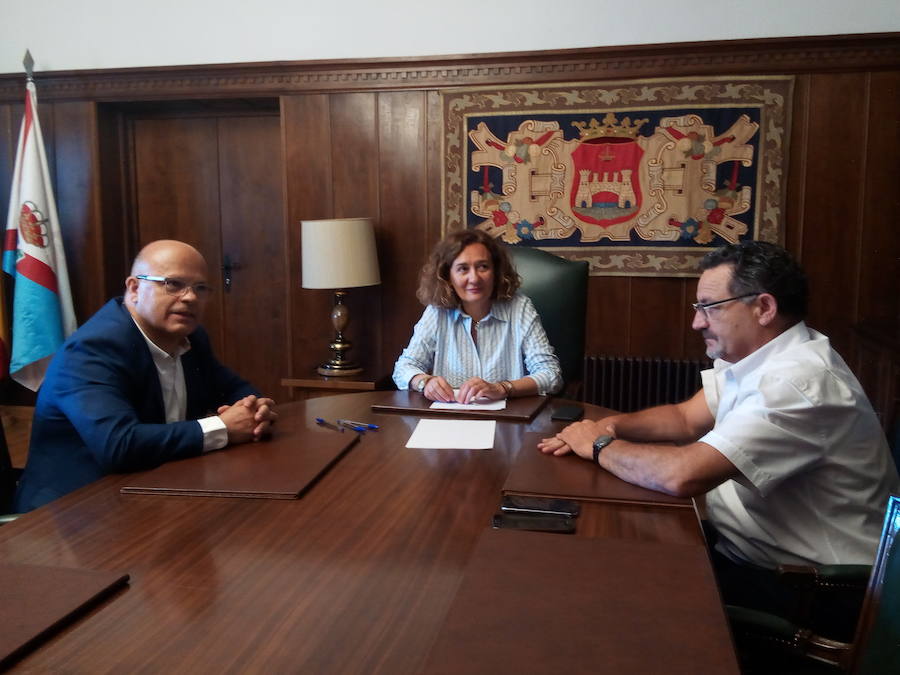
x=893, y=437
x=771, y=644
x=558, y=289
x=9, y=478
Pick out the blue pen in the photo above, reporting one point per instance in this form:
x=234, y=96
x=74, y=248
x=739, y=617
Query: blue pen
x=324, y=423
x=351, y=425
x=364, y=425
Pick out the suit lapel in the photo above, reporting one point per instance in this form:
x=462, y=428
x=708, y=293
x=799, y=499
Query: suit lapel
x=147, y=377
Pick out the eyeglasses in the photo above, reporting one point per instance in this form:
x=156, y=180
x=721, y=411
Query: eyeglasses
x=178, y=287
x=703, y=307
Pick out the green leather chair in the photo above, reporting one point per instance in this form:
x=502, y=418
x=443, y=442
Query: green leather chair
x=771, y=644
x=558, y=289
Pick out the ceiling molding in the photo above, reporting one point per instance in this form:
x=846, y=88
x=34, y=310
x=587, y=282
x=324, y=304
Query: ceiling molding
x=767, y=56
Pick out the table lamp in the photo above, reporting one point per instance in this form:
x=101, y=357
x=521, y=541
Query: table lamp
x=338, y=254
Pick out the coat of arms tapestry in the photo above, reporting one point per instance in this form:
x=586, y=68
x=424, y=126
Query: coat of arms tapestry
x=639, y=178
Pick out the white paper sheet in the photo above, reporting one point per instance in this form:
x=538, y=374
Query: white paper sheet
x=474, y=405
x=457, y=434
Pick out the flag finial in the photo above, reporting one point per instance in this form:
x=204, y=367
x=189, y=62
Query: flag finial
x=28, y=62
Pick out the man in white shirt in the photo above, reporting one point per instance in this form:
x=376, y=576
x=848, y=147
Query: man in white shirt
x=138, y=385
x=781, y=439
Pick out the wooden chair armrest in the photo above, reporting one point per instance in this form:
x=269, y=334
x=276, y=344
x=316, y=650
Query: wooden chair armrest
x=826, y=576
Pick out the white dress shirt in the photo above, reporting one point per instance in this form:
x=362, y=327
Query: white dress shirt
x=174, y=391
x=815, y=467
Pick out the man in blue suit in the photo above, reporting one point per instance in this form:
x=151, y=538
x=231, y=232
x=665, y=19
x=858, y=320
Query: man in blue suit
x=138, y=385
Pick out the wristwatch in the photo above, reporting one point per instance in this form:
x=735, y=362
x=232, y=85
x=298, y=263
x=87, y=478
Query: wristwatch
x=599, y=444
x=420, y=385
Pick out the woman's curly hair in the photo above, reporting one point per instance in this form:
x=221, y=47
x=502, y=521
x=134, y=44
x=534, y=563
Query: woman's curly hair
x=435, y=287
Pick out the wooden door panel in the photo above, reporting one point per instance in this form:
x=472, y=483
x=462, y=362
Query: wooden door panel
x=254, y=306
x=216, y=183
x=176, y=190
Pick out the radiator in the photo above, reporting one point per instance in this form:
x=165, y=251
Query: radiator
x=633, y=383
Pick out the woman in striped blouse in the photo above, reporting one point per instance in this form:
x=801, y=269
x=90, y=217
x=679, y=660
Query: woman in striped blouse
x=477, y=334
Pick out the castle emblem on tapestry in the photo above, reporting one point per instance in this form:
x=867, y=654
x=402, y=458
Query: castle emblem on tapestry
x=639, y=179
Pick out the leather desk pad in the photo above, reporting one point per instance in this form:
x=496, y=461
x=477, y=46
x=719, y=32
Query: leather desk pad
x=282, y=467
x=413, y=403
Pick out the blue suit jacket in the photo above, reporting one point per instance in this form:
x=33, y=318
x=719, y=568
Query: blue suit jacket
x=100, y=409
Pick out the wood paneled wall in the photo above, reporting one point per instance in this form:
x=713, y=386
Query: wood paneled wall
x=362, y=138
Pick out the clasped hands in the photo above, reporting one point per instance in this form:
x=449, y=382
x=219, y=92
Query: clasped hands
x=578, y=437
x=438, y=389
x=249, y=419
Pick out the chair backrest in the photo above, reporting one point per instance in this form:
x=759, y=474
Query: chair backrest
x=877, y=644
x=8, y=475
x=558, y=289
x=893, y=436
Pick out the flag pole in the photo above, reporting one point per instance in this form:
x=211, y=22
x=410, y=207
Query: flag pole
x=6, y=300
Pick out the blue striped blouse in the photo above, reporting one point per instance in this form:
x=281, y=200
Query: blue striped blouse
x=511, y=344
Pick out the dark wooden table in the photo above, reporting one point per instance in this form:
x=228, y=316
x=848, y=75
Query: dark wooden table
x=357, y=576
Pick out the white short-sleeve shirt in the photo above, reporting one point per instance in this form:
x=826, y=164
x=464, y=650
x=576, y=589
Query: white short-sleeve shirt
x=815, y=467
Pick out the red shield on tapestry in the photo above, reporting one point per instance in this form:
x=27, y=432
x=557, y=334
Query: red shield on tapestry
x=605, y=187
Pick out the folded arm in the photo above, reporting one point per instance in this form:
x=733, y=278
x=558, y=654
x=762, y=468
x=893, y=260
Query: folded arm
x=683, y=422
x=108, y=391
x=113, y=432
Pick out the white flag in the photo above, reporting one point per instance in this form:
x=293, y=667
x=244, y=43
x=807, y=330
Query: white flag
x=42, y=314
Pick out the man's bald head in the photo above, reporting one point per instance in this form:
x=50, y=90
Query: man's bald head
x=165, y=251
x=165, y=314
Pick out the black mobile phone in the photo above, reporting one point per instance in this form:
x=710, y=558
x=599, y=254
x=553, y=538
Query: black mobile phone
x=567, y=413
x=535, y=522
x=545, y=505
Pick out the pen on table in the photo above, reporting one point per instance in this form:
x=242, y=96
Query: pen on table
x=323, y=423
x=351, y=425
x=363, y=425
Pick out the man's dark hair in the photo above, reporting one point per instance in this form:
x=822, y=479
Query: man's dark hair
x=761, y=267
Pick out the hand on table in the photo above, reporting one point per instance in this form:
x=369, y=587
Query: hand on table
x=475, y=388
x=249, y=419
x=438, y=389
x=578, y=437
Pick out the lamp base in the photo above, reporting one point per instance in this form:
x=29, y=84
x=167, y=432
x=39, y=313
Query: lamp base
x=339, y=365
x=338, y=370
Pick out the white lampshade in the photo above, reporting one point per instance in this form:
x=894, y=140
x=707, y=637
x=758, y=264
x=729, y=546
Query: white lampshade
x=338, y=253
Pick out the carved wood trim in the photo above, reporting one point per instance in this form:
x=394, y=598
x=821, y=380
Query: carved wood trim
x=764, y=56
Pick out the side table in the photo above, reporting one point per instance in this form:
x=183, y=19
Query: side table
x=316, y=385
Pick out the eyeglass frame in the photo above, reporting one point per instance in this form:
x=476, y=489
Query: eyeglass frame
x=703, y=306
x=202, y=291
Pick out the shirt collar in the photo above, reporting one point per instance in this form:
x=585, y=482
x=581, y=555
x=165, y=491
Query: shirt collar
x=157, y=352
x=499, y=310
